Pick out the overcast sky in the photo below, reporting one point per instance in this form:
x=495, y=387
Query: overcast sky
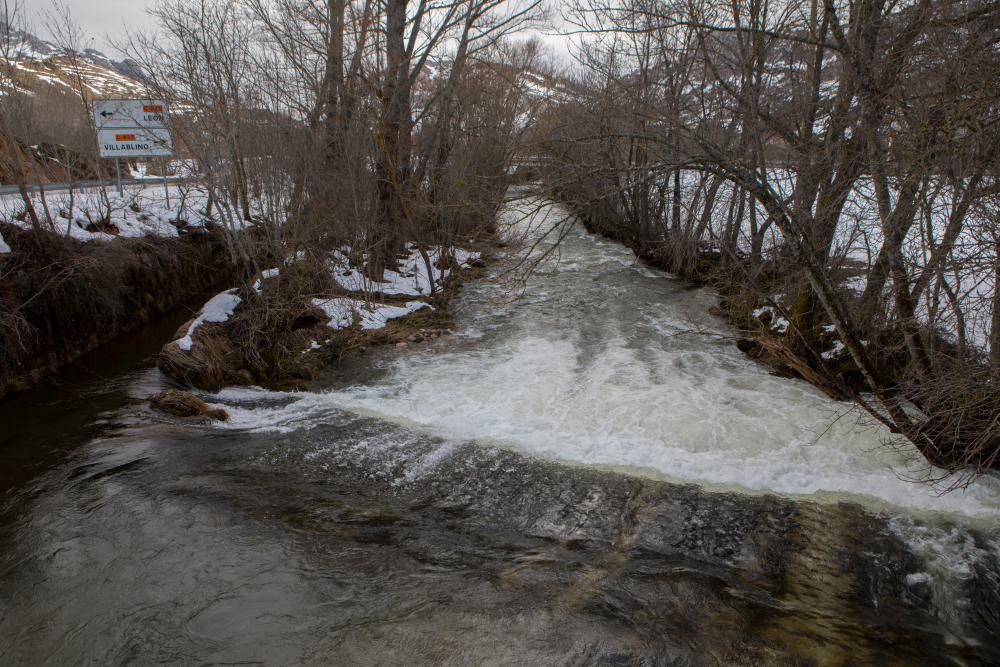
x=103, y=21
x=99, y=19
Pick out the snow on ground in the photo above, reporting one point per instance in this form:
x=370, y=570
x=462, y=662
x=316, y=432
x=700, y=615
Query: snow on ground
x=343, y=311
x=265, y=275
x=778, y=323
x=411, y=279
x=218, y=309
x=4, y=248
x=834, y=352
x=139, y=212
x=855, y=284
x=140, y=169
x=969, y=268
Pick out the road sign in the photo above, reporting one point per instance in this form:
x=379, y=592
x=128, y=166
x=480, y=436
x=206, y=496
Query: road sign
x=133, y=128
x=134, y=142
x=131, y=113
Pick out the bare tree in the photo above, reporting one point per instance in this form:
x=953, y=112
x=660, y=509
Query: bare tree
x=814, y=125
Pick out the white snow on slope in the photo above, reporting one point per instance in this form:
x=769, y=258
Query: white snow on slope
x=4, y=248
x=342, y=312
x=218, y=309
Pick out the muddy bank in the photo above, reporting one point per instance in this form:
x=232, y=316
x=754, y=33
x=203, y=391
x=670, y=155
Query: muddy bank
x=61, y=298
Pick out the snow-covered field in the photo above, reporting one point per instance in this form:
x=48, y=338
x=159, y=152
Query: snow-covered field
x=84, y=215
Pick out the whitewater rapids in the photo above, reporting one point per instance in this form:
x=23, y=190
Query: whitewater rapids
x=596, y=359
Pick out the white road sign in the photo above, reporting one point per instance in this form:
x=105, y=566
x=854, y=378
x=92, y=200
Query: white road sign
x=133, y=128
x=134, y=142
x=131, y=113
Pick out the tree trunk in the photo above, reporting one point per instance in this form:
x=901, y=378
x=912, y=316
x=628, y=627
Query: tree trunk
x=385, y=240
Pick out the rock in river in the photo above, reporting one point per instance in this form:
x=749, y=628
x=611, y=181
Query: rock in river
x=185, y=404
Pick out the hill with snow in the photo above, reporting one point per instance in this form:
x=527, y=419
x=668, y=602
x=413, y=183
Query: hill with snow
x=41, y=67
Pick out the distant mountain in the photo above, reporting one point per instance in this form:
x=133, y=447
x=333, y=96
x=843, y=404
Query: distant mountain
x=39, y=66
x=40, y=85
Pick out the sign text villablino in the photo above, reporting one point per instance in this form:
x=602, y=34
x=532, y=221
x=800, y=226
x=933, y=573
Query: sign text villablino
x=133, y=128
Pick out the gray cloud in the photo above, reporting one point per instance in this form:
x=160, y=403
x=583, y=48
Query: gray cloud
x=101, y=21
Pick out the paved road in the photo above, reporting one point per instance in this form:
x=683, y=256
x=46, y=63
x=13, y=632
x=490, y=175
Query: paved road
x=82, y=185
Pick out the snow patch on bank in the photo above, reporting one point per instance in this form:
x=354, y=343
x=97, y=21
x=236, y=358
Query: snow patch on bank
x=265, y=275
x=413, y=277
x=777, y=322
x=4, y=248
x=834, y=352
x=218, y=309
x=343, y=311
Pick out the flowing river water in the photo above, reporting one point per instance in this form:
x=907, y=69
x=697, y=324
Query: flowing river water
x=588, y=472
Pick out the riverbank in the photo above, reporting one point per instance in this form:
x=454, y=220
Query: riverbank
x=297, y=318
x=64, y=298
x=91, y=265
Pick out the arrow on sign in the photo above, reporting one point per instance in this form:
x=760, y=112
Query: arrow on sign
x=106, y=114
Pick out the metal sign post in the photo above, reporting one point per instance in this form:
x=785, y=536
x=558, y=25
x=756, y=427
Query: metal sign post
x=118, y=175
x=166, y=190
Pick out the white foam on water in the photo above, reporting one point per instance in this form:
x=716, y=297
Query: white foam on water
x=256, y=409
x=650, y=391
x=950, y=556
x=686, y=416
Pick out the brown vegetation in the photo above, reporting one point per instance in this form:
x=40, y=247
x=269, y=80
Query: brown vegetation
x=278, y=339
x=50, y=163
x=354, y=127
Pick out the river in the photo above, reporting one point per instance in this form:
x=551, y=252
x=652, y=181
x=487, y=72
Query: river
x=588, y=472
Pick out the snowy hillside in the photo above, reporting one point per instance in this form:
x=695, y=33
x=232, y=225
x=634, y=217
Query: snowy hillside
x=40, y=66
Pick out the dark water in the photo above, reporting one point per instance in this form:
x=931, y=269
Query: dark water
x=130, y=538
x=171, y=544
